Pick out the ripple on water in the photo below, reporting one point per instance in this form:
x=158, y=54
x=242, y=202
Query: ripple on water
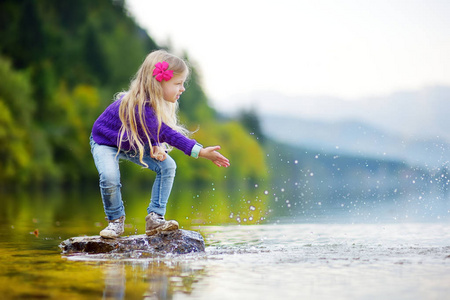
x=332, y=243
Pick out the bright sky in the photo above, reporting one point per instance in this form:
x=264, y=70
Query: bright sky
x=344, y=48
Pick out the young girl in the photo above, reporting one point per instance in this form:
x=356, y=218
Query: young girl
x=137, y=127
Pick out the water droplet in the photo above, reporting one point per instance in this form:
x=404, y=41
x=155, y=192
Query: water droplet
x=266, y=192
x=252, y=207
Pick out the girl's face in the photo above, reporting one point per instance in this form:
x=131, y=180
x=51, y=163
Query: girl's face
x=173, y=88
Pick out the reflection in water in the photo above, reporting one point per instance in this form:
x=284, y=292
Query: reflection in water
x=114, y=281
x=146, y=278
x=165, y=279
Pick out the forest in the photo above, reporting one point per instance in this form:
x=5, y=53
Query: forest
x=61, y=63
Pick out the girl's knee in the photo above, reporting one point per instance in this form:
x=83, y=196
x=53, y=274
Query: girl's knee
x=169, y=165
x=109, y=179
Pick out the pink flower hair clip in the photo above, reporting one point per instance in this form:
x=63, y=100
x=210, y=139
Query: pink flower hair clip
x=161, y=73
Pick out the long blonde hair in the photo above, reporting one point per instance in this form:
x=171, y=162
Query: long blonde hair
x=146, y=90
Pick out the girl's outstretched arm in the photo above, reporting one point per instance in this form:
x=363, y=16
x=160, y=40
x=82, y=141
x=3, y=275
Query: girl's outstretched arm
x=214, y=156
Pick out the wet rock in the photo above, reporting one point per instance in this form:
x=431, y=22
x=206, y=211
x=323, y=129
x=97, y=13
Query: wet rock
x=177, y=242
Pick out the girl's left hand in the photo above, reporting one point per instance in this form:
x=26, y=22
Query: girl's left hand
x=214, y=156
x=158, y=153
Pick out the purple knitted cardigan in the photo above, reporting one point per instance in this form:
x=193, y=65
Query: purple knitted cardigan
x=106, y=130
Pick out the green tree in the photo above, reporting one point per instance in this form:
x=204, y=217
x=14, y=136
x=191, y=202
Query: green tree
x=15, y=121
x=249, y=119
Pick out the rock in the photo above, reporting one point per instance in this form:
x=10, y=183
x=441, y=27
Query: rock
x=177, y=242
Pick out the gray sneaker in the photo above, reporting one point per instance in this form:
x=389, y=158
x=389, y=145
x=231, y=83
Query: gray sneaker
x=115, y=228
x=155, y=223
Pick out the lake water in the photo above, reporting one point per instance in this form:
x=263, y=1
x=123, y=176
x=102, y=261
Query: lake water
x=282, y=258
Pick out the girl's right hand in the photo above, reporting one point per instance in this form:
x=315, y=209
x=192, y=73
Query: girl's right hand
x=214, y=156
x=158, y=153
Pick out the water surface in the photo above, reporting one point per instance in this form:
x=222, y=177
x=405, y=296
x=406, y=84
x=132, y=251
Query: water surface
x=281, y=258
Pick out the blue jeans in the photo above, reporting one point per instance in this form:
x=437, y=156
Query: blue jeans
x=107, y=163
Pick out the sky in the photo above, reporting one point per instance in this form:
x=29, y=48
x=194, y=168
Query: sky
x=336, y=48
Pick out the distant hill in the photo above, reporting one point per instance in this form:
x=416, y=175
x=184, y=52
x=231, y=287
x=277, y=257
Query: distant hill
x=409, y=126
x=356, y=138
x=411, y=114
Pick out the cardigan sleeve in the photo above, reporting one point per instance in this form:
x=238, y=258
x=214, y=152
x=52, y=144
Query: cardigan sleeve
x=167, y=134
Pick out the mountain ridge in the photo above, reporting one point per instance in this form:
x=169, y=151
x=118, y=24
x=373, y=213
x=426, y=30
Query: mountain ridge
x=421, y=113
x=355, y=138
